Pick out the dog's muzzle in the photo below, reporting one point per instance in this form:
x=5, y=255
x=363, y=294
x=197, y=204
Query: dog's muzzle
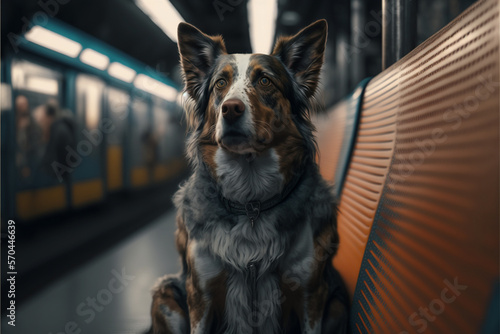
x=234, y=138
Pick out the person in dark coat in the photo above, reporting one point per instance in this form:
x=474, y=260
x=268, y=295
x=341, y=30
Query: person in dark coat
x=27, y=138
x=59, y=131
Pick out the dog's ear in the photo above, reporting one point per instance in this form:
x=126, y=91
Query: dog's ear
x=303, y=54
x=198, y=53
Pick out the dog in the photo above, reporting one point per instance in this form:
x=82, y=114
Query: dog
x=256, y=223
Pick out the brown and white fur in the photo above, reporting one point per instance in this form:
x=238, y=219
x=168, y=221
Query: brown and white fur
x=251, y=139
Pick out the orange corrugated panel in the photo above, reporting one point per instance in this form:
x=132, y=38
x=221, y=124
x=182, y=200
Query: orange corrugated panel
x=431, y=261
x=366, y=176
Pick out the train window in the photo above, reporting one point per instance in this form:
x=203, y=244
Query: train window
x=118, y=104
x=5, y=96
x=89, y=92
x=35, y=78
x=36, y=106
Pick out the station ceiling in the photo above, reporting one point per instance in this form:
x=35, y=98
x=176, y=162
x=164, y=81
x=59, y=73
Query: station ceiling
x=121, y=24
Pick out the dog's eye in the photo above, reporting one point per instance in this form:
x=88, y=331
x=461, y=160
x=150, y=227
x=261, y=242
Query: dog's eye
x=264, y=81
x=221, y=83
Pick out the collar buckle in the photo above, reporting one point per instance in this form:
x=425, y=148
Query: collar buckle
x=252, y=209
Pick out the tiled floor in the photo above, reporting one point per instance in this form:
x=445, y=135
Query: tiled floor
x=92, y=299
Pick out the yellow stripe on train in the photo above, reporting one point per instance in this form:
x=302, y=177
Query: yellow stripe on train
x=115, y=168
x=139, y=176
x=168, y=170
x=161, y=172
x=38, y=202
x=87, y=192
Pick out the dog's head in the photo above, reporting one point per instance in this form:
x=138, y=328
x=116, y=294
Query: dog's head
x=251, y=103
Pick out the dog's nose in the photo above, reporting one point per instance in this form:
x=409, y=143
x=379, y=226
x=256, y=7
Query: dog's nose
x=232, y=109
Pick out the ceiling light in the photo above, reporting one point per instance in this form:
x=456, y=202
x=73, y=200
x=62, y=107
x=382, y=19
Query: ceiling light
x=155, y=87
x=121, y=72
x=262, y=19
x=94, y=58
x=163, y=14
x=53, y=41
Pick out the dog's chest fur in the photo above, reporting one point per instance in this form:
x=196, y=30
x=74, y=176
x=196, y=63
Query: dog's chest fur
x=281, y=241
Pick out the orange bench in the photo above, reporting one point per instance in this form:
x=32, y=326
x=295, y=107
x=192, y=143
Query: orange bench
x=419, y=202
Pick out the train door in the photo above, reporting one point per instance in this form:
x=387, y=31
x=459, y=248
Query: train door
x=118, y=102
x=161, y=119
x=167, y=133
x=87, y=156
x=41, y=130
x=143, y=144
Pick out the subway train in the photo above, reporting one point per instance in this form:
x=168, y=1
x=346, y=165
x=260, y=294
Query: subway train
x=122, y=121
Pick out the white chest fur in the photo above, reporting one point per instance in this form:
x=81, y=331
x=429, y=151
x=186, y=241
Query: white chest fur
x=244, y=179
x=234, y=248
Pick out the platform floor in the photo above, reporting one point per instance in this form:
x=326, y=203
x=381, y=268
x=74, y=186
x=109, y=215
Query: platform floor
x=93, y=300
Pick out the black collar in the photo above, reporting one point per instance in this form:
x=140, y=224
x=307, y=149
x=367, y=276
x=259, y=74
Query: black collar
x=253, y=208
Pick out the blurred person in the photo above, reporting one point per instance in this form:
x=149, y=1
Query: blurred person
x=26, y=136
x=150, y=146
x=58, y=132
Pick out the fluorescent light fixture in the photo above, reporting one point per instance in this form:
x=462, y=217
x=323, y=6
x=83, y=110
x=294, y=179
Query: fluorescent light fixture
x=94, y=58
x=121, y=72
x=53, y=41
x=42, y=85
x=163, y=14
x=169, y=93
x=155, y=87
x=146, y=83
x=262, y=16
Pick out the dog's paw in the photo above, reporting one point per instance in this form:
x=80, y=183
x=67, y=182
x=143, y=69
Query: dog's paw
x=169, y=308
